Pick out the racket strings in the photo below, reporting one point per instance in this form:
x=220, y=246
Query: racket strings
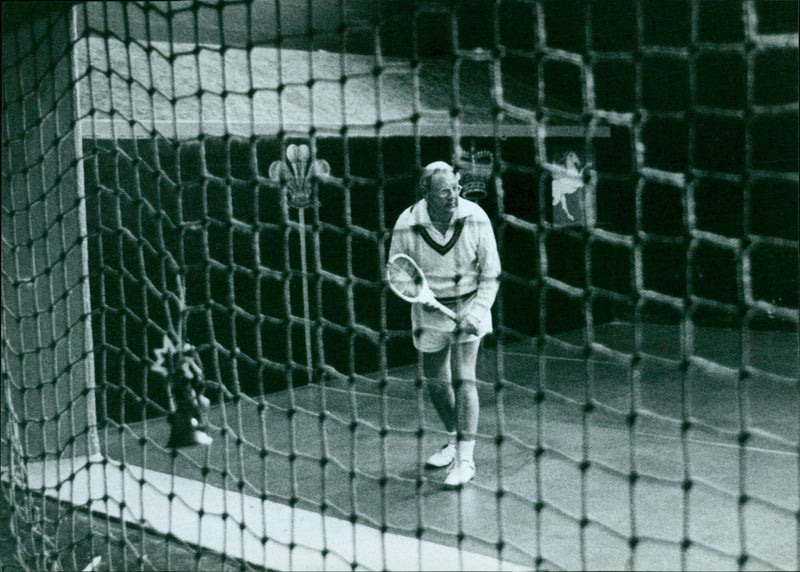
x=405, y=278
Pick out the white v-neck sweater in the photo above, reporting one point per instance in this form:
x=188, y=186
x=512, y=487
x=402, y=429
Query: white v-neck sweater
x=462, y=262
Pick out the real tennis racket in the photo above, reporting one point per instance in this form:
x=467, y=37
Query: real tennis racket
x=406, y=279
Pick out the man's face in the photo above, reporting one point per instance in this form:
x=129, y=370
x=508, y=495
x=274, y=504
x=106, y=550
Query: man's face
x=442, y=196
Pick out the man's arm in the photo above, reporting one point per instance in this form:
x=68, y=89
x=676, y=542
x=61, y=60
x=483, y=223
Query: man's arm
x=399, y=241
x=488, y=260
x=404, y=242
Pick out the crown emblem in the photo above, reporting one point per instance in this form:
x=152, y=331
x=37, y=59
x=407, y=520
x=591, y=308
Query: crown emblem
x=297, y=174
x=475, y=169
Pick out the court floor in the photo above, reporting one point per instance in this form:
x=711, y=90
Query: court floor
x=559, y=482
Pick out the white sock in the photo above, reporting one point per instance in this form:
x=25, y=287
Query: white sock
x=466, y=450
x=451, y=438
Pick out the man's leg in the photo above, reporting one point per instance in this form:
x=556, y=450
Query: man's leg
x=465, y=357
x=468, y=408
x=436, y=368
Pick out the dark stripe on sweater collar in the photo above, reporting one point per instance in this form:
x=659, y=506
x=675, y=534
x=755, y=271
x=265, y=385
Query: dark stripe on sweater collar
x=442, y=249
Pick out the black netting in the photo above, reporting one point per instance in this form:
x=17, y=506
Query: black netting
x=639, y=390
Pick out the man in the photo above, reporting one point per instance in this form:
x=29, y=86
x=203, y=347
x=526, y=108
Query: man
x=452, y=241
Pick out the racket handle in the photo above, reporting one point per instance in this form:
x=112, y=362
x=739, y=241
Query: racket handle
x=446, y=311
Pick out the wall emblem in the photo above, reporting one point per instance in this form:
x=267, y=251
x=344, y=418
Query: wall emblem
x=297, y=174
x=475, y=168
x=566, y=185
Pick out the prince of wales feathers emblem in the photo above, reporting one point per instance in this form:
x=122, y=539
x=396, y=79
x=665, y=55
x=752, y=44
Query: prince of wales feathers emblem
x=297, y=174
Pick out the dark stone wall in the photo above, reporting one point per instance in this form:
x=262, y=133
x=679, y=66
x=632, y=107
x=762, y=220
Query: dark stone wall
x=212, y=209
x=157, y=207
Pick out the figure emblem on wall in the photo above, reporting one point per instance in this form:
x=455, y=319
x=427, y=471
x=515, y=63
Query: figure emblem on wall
x=568, y=186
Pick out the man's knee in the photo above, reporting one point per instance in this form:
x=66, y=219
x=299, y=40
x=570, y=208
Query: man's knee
x=436, y=365
x=466, y=356
x=464, y=374
x=464, y=383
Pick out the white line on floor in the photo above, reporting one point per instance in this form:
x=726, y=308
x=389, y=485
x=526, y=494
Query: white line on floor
x=717, y=444
x=144, y=492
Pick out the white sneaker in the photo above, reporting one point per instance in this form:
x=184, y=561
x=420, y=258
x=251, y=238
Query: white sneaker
x=460, y=473
x=202, y=438
x=443, y=457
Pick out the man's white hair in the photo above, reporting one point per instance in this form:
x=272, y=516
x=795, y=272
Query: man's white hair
x=431, y=170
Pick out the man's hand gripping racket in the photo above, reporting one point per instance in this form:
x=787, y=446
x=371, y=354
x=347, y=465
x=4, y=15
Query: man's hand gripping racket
x=406, y=279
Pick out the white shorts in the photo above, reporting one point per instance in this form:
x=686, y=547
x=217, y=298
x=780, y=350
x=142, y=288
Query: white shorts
x=433, y=331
